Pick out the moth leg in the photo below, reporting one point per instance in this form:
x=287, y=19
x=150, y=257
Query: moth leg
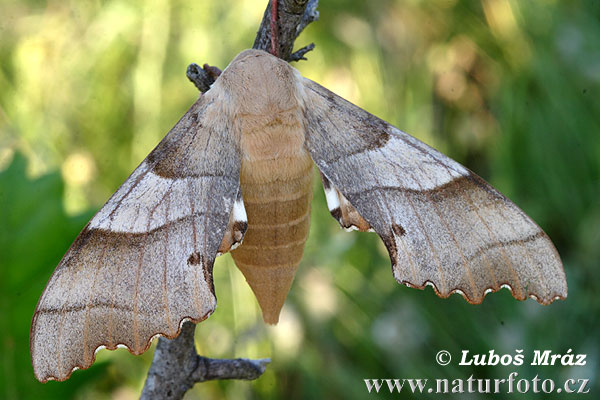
x=341, y=209
x=238, y=223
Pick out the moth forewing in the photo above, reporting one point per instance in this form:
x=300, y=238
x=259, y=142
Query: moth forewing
x=144, y=263
x=443, y=225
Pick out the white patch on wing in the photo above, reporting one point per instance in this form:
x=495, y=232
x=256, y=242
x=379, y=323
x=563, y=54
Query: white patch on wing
x=151, y=203
x=333, y=201
x=423, y=168
x=407, y=163
x=239, y=211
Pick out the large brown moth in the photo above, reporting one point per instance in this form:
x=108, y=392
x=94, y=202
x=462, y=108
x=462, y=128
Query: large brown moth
x=238, y=166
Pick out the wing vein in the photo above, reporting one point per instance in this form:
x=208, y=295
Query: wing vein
x=205, y=242
x=140, y=267
x=136, y=336
x=165, y=253
x=195, y=249
x=495, y=237
x=390, y=218
x=86, y=325
x=423, y=229
x=527, y=252
x=456, y=243
x=443, y=221
x=73, y=283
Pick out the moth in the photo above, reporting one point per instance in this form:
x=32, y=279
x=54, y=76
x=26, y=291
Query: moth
x=234, y=175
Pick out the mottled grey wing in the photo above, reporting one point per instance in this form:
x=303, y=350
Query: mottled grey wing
x=442, y=224
x=144, y=263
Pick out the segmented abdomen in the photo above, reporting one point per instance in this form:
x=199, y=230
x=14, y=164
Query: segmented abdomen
x=277, y=195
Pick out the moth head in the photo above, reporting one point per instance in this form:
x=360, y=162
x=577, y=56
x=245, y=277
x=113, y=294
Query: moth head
x=258, y=83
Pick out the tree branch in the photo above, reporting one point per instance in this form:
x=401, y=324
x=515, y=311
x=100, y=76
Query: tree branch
x=176, y=366
x=293, y=17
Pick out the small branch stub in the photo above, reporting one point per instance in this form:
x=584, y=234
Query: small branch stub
x=176, y=367
x=202, y=78
x=299, y=54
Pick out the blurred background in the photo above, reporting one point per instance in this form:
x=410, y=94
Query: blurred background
x=509, y=88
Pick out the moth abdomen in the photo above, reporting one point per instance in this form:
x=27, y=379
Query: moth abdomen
x=276, y=182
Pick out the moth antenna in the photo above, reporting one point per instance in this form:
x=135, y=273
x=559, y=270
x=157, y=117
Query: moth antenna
x=274, y=30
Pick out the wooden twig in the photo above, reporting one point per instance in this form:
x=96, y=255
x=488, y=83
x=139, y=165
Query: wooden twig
x=176, y=367
x=293, y=17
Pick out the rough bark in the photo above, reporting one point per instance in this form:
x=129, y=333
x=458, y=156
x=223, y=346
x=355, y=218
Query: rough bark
x=293, y=17
x=176, y=366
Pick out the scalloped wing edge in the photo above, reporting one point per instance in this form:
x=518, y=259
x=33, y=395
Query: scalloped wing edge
x=488, y=290
x=124, y=346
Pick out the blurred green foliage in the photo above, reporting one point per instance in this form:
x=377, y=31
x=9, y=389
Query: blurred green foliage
x=508, y=88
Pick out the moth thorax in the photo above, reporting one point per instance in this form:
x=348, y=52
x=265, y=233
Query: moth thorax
x=260, y=84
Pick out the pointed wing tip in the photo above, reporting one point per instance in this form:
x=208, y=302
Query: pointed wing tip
x=544, y=300
x=39, y=375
